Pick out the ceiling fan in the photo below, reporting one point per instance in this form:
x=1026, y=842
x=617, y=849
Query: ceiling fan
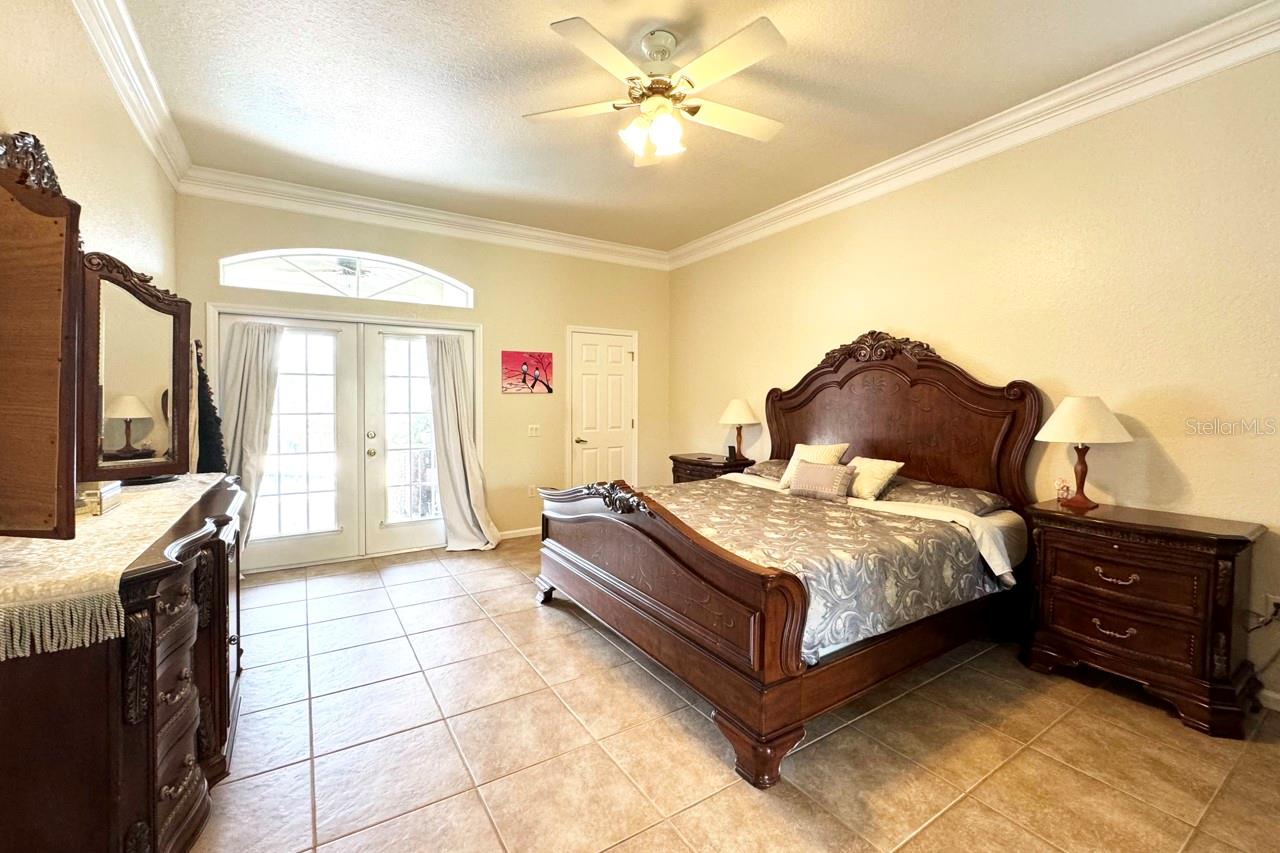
x=663, y=94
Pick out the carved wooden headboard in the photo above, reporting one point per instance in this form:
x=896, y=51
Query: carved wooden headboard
x=895, y=398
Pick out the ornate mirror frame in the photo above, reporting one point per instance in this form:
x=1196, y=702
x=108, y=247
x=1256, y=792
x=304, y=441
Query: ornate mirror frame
x=97, y=268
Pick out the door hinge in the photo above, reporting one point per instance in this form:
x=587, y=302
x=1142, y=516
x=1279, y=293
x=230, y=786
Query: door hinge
x=632, y=353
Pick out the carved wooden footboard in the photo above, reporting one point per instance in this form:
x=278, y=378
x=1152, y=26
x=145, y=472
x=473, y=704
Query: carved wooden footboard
x=727, y=626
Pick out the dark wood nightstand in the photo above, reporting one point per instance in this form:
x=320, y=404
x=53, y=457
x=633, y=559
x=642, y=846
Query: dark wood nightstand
x=687, y=467
x=1158, y=597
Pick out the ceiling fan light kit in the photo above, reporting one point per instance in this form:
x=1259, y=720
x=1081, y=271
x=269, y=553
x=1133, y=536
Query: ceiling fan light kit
x=658, y=89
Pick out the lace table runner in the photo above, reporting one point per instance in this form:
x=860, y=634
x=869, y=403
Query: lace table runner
x=65, y=594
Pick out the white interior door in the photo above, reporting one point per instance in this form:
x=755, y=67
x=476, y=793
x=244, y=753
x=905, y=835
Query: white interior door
x=308, y=504
x=402, y=488
x=602, y=401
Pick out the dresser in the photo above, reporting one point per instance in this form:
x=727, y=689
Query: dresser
x=113, y=746
x=1153, y=596
x=687, y=467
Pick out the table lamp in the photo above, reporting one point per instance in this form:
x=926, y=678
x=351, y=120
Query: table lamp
x=1082, y=421
x=127, y=407
x=736, y=414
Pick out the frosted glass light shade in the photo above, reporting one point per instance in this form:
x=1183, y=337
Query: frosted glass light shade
x=1083, y=420
x=127, y=406
x=737, y=413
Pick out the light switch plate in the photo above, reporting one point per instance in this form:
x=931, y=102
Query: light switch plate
x=535, y=430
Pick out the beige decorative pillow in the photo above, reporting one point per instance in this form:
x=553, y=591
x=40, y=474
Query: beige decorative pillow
x=873, y=475
x=822, y=454
x=824, y=482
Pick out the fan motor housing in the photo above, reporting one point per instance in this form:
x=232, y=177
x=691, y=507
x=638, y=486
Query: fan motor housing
x=658, y=47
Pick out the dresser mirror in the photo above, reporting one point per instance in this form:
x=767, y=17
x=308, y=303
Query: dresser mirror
x=136, y=375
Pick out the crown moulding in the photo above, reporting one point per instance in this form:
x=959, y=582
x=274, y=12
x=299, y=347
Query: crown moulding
x=1233, y=40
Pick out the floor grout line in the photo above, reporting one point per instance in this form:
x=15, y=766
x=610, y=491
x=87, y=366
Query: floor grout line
x=491, y=618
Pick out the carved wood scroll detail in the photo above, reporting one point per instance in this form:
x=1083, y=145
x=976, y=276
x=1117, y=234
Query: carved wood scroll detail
x=876, y=346
x=204, y=730
x=204, y=586
x=1220, y=655
x=138, y=839
x=618, y=497
x=22, y=151
x=1226, y=570
x=138, y=633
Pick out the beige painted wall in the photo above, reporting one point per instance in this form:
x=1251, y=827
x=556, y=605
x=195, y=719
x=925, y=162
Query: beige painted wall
x=1136, y=256
x=524, y=300
x=53, y=85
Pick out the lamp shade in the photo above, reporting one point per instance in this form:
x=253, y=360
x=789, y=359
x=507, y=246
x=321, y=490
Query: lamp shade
x=737, y=413
x=1083, y=420
x=127, y=406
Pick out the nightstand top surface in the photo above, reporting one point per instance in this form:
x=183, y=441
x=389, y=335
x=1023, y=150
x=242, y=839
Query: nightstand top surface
x=711, y=459
x=1153, y=520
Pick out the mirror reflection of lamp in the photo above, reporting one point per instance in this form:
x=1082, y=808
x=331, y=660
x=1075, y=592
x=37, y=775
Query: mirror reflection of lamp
x=127, y=408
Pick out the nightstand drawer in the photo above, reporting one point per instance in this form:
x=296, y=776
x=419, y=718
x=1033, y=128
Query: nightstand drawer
x=1086, y=571
x=1123, y=632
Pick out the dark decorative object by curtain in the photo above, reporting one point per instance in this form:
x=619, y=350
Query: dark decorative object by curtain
x=213, y=455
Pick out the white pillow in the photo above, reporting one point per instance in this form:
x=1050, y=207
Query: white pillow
x=821, y=454
x=872, y=476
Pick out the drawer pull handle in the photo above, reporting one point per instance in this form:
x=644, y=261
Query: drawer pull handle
x=175, y=792
x=170, y=697
x=183, y=603
x=1133, y=578
x=1128, y=632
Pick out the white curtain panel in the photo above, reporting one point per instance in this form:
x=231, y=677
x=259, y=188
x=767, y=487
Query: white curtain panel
x=247, y=389
x=467, y=524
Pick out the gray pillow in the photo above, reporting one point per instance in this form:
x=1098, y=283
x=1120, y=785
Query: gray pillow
x=771, y=468
x=975, y=501
x=824, y=482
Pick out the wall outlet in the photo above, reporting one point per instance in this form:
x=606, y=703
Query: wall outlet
x=533, y=491
x=535, y=430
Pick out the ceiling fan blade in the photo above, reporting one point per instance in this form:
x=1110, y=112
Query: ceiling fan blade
x=648, y=158
x=746, y=47
x=733, y=120
x=574, y=112
x=587, y=39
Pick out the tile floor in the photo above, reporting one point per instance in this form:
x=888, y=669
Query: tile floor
x=427, y=703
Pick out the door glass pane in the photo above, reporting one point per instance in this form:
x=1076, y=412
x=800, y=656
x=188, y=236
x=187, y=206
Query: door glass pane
x=410, y=441
x=297, y=492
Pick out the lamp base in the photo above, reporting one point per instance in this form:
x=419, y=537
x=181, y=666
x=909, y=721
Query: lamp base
x=1079, y=502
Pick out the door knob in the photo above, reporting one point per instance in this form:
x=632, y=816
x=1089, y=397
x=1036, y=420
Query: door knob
x=371, y=452
x=371, y=434
x=579, y=441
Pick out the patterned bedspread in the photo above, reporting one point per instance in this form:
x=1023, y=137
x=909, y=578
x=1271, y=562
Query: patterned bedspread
x=866, y=572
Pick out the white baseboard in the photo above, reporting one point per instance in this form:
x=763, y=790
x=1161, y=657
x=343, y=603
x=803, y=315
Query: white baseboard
x=1270, y=699
x=516, y=534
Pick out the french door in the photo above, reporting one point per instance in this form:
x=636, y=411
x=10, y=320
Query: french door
x=350, y=468
x=401, y=482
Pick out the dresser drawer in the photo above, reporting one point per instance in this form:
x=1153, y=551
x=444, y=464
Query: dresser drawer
x=1126, y=578
x=180, y=784
x=177, y=618
x=175, y=696
x=1166, y=644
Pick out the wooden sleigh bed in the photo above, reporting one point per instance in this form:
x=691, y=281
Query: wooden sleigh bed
x=732, y=629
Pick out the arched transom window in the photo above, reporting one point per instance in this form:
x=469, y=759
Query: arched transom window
x=356, y=275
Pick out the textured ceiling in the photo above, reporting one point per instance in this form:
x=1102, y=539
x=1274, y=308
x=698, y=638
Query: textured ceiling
x=420, y=101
